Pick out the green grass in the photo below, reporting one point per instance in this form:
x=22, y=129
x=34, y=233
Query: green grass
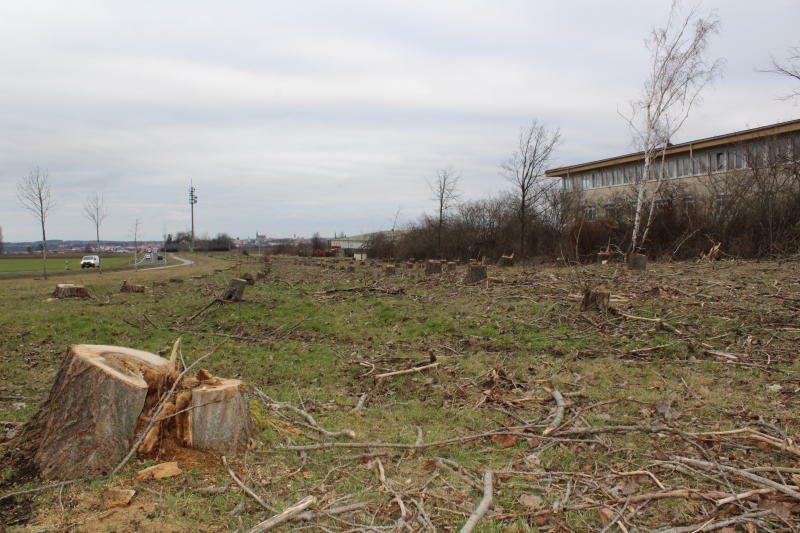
x=510, y=341
x=56, y=263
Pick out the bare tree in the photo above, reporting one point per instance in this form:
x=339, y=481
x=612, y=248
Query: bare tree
x=134, y=234
x=678, y=73
x=791, y=69
x=35, y=195
x=445, y=192
x=94, y=208
x=525, y=170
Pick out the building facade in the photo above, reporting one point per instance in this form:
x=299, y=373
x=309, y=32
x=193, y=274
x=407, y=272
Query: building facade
x=693, y=168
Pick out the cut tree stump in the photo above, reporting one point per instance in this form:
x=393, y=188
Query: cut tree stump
x=451, y=266
x=219, y=418
x=127, y=286
x=433, y=267
x=595, y=300
x=637, y=262
x=235, y=290
x=389, y=270
x=248, y=277
x=103, y=397
x=475, y=273
x=506, y=260
x=68, y=290
x=89, y=418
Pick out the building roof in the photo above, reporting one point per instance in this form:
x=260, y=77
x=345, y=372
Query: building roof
x=727, y=138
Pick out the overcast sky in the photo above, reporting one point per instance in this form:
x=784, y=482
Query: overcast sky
x=299, y=116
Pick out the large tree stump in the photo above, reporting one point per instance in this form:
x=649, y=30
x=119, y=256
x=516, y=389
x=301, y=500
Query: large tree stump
x=219, y=419
x=127, y=286
x=433, y=267
x=506, y=260
x=595, y=300
x=89, y=418
x=389, y=270
x=637, y=262
x=450, y=266
x=248, y=278
x=235, y=290
x=68, y=290
x=475, y=273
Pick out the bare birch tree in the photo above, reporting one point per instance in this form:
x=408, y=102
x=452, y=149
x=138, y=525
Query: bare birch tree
x=525, y=170
x=35, y=195
x=445, y=192
x=678, y=73
x=94, y=208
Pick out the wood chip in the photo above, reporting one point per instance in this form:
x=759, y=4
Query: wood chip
x=159, y=471
x=117, y=497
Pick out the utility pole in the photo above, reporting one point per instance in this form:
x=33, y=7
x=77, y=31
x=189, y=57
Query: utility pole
x=192, y=201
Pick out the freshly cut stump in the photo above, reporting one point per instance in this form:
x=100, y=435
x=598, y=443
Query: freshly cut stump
x=637, y=262
x=433, y=267
x=475, y=273
x=235, y=290
x=127, y=286
x=89, y=418
x=451, y=266
x=248, y=277
x=506, y=260
x=68, y=290
x=219, y=419
x=595, y=301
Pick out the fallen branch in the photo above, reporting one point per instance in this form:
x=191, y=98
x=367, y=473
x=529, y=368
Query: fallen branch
x=712, y=526
x=245, y=488
x=742, y=474
x=560, y=406
x=38, y=489
x=408, y=370
x=483, y=506
x=284, y=516
x=312, y=423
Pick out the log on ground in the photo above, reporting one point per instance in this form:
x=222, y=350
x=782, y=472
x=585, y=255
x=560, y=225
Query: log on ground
x=127, y=286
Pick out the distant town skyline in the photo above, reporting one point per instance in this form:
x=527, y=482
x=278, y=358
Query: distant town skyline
x=295, y=118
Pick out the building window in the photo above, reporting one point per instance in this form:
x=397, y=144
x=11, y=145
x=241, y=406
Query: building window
x=719, y=161
x=701, y=163
x=661, y=203
x=589, y=212
x=611, y=210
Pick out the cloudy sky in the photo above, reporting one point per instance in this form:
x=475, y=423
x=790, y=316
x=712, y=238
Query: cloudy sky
x=331, y=116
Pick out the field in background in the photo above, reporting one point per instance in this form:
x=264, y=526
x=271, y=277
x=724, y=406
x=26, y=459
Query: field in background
x=57, y=263
x=698, y=349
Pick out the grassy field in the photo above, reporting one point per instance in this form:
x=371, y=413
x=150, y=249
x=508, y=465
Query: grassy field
x=57, y=263
x=585, y=419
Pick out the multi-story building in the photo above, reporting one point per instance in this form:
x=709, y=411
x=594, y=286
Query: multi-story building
x=690, y=167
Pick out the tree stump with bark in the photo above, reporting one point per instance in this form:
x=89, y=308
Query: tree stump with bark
x=88, y=421
x=68, y=290
x=450, y=266
x=389, y=270
x=433, y=267
x=595, y=300
x=235, y=290
x=248, y=278
x=506, y=260
x=127, y=286
x=637, y=262
x=475, y=273
x=103, y=397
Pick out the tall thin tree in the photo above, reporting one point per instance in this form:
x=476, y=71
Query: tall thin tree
x=94, y=209
x=525, y=170
x=35, y=195
x=445, y=192
x=678, y=73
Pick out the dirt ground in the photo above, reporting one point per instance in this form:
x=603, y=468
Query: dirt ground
x=399, y=401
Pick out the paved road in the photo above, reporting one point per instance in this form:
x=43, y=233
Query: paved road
x=183, y=262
